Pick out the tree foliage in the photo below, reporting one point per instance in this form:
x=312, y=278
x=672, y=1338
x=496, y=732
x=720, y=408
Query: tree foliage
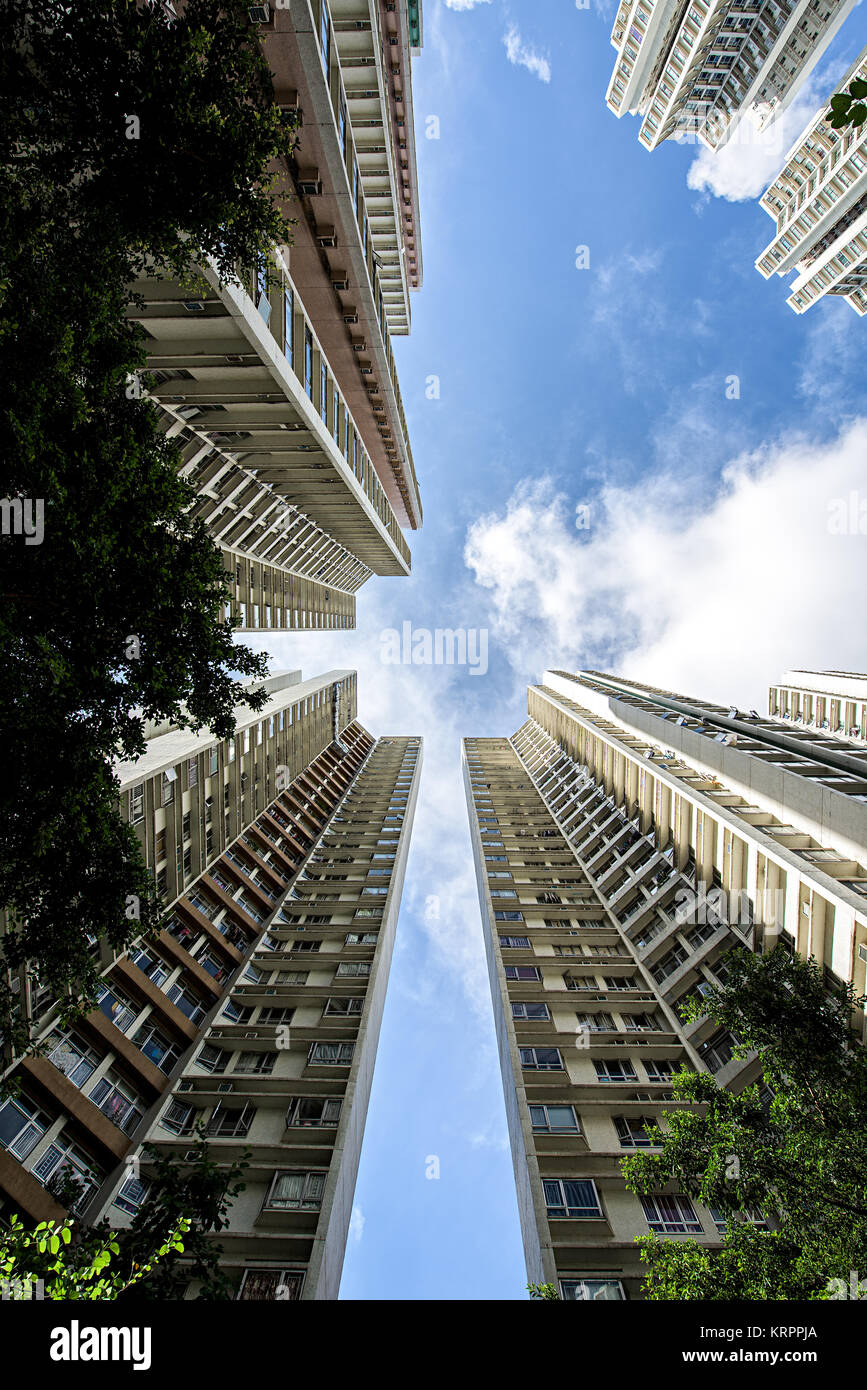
x=849, y=107
x=131, y=144
x=796, y=1152
x=199, y=1191
x=66, y=1269
x=169, y=1242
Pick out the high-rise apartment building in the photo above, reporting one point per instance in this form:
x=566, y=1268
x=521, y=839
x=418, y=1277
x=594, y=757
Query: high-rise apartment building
x=697, y=68
x=625, y=838
x=282, y=392
x=255, y=1012
x=832, y=701
x=819, y=203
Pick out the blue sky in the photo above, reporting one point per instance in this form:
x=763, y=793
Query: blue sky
x=706, y=563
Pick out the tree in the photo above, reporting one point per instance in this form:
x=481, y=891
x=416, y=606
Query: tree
x=189, y=1199
x=849, y=107
x=132, y=144
x=544, y=1291
x=49, y=1257
x=199, y=1191
x=795, y=1153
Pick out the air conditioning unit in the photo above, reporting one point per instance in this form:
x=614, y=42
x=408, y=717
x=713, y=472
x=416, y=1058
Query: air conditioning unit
x=309, y=182
x=358, y=344
x=259, y=14
x=194, y=306
x=326, y=236
x=350, y=315
x=339, y=280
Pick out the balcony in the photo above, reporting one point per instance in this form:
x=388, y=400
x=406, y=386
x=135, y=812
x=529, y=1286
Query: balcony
x=222, y=369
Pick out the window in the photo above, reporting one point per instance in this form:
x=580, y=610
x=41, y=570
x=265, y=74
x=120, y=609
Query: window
x=571, y=1197
x=331, y=1054
x=263, y=1285
x=169, y=787
x=325, y=36
x=530, y=1011
x=595, y=1023
x=354, y=938
x=263, y=303
x=156, y=1047
x=63, y=1159
x=308, y=362
x=583, y=982
x=344, y=1006
x=751, y=1214
x=22, y=1125
x=541, y=1059
x=178, y=1117
x=608, y=1069
x=658, y=1071
x=231, y=1122
x=554, y=1119
x=256, y=1063
x=508, y=916
x=189, y=1005
x=276, y=1015
x=718, y=1051
x=313, y=1110
x=296, y=1191
x=237, y=1013
x=341, y=121
x=288, y=325
x=71, y=1055
x=353, y=968
x=117, y=1008
x=522, y=972
x=641, y=1023
x=633, y=1131
x=591, y=1289
x=117, y=1101
x=212, y=1059
x=323, y=392
x=136, y=803
x=671, y=1215
x=515, y=942
x=131, y=1194
x=151, y=965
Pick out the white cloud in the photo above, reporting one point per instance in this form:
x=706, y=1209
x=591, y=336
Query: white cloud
x=356, y=1226
x=465, y=4
x=745, y=166
x=440, y=897
x=518, y=53
x=713, y=599
x=494, y=1138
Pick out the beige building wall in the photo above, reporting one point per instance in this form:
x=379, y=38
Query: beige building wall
x=615, y=872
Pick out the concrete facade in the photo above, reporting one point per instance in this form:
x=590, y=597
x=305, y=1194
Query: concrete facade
x=624, y=840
